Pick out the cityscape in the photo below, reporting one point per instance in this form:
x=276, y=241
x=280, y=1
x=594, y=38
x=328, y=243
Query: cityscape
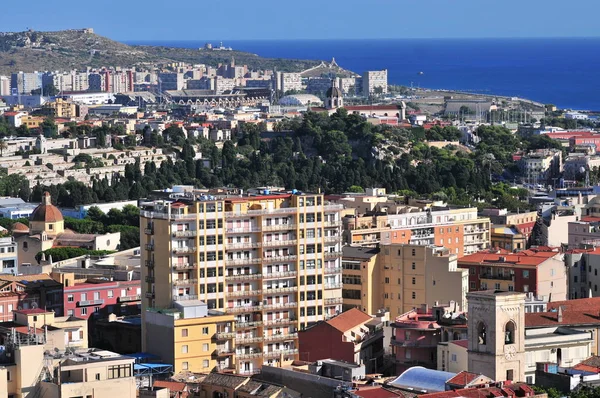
x=203, y=221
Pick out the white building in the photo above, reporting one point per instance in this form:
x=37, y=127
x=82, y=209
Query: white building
x=373, y=81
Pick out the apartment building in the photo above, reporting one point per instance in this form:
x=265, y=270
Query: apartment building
x=8, y=256
x=540, y=271
x=524, y=221
x=375, y=82
x=287, y=81
x=25, y=82
x=541, y=165
x=272, y=261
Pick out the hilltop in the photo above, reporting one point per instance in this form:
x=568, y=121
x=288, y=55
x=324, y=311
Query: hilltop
x=79, y=48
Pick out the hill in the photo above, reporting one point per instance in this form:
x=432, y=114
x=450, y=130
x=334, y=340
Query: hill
x=78, y=48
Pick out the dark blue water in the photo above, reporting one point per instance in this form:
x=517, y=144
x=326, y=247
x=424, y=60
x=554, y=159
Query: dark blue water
x=560, y=71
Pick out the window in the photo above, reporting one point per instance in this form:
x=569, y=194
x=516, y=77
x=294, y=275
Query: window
x=525, y=288
x=509, y=333
x=399, y=281
x=414, y=295
x=84, y=311
x=184, y=365
x=8, y=375
x=110, y=294
x=184, y=333
x=407, y=335
x=525, y=274
x=481, y=333
x=414, y=281
x=552, y=272
x=472, y=285
x=83, y=296
x=387, y=280
x=453, y=358
x=70, y=313
x=205, y=363
x=205, y=330
x=97, y=376
x=70, y=298
x=414, y=252
x=407, y=354
x=205, y=347
x=472, y=270
x=413, y=265
x=119, y=371
x=184, y=349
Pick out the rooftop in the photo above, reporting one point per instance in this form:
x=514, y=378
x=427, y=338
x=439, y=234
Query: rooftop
x=349, y=319
x=530, y=257
x=364, y=253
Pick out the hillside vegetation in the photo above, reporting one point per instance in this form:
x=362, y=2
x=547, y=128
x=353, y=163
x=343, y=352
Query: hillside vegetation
x=77, y=49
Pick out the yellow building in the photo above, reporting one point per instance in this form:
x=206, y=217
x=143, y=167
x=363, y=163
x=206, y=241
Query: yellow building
x=402, y=277
x=508, y=237
x=61, y=109
x=270, y=261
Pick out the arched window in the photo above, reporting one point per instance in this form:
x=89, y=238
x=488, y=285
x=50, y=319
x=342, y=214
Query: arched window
x=509, y=333
x=481, y=333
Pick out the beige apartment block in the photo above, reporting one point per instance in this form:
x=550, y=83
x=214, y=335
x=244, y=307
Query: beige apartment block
x=272, y=261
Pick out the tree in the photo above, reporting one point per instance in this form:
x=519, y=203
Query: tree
x=3, y=146
x=356, y=189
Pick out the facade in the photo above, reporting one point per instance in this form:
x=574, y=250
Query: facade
x=542, y=165
x=540, y=271
x=415, y=339
x=25, y=82
x=508, y=237
x=84, y=299
x=361, y=278
x=288, y=81
x=353, y=336
x=524, y=221
x=8, y=256
x=270, y=261
x=375, y=83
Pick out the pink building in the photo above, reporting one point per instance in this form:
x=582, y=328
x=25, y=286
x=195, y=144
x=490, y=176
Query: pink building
x=83, y=299
x=415, y=338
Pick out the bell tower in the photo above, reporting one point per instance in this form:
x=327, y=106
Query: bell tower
x=497, y=334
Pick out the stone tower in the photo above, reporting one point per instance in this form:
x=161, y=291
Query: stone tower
x=335, y=98
x=497, y=334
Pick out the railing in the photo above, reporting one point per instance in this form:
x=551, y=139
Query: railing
x=277, y=353
x=279, y=337
x=243, y=245
x=253, y=339
x=149, y=279
x=244, y=308
x=279, y=305
x=242, y=230
x=333, y=207
x=242, y=261
x=248, y=355
x=124, y=299
x=329, y=224
x=150, y=246
x=285, y=242
x=288, y=289
x=277, y=275
x=225, y=335
x=291, y=257
x=148, y=231
x=150, y=263
x=285, y=210
x=279, y=322
x=183, y=250
x=241, y=293
x=83, y=303
x=278, y=227
x=150, y=295
x=246, y=325
x=333, y=286
x=241, y=277
x=333, y=270
x=186, y=297
x=333, y=239
x=184, y=282
x=333, y=254
x=496, y=277
x=171, y=216
x=332, y=301
x=249, y=372
x=185, y=266
x=225, y=352
x=185, y=234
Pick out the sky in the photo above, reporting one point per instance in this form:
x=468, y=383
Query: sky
x=307, y=19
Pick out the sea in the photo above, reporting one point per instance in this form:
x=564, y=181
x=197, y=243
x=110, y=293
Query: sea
x=561, y=71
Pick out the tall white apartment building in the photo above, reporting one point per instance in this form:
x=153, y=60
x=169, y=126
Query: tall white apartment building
x=374, y=81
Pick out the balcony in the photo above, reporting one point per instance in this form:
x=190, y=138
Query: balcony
x=333, y=239
x=243, y=245
x=288, y=289
x=85, y=303
x=242, y=230
x=150, y=263
x=500, y=277
x=280, y=337
x=278, y=275
x=333, y=285
x=330, y=224
x=168, y=216
x=278, y=227
x=149, y=279
x=280, y=305
x=332, y=254
x=184, y=250
x=186, y=297
x=280, y=322
x=149, y=295
x=248, y=355
x=284, y=210
x=243, y=308
x=290, y=257
x=126, y=299
x=149, y=231
x=225, y=352
x=333, y=301
x=419, y=343
x=185, y=234
x=243, y=293
x=247, y=325
x=250, y=339
x=243, y=277
x=278, y=353
x=150, y=246
x=186, y=266
x=333, y=270
x=286, y=242
x=185, y=282
x=225, y=335
x=242, y=261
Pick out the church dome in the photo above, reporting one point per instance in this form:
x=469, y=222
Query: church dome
x=46, y=212
x=334, y=92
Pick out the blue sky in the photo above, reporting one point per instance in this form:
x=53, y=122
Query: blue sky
x=307, y=19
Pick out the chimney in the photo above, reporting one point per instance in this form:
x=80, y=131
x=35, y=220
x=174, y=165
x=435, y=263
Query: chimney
x=560, y=314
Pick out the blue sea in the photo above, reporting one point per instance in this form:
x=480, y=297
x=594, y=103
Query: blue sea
x=562, y=71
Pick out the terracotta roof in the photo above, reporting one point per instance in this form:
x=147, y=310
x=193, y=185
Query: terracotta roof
x=31, y=311
x=463, y=378
x=375, y=392
x=461, y=343
x=46, y=212
x=506, y=258
x=587, y=368
x=349, y=320
x=583, y=304
x=20, y=227
x=171, y=385
x=569, y=317
x=28, y=278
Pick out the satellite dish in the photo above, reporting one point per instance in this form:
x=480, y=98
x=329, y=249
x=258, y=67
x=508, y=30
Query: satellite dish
x=34, y=305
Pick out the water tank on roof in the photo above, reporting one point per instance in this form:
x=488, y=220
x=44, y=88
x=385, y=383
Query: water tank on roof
x=266, y=192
